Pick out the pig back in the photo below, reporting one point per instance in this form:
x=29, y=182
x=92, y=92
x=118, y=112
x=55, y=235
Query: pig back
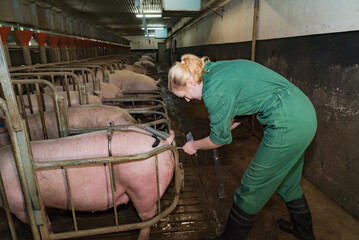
x=130, y=81
x=90, y=184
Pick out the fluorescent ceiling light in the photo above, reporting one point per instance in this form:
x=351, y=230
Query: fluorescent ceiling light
x=149, y=15
x=153, y=28
x=150, y=35
x=155, y=25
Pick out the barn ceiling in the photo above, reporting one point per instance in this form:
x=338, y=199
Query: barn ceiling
x=117, y=15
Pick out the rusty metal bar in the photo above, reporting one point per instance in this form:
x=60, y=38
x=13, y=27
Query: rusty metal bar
x=101, y=160
x=52, y=75
x=22, y=152
x=61, y=115
x=158, y=186
x=41, y=111
x=28, y=92
x=22, y=104
x=71, y=199
x=113, y=185
x=254, y=31
x=160, y=105
x=179, y=179
x=59, y=104
x=91, y=66
x=75, y=131
x=77, y=162
x=84, y=72
x=67, y=91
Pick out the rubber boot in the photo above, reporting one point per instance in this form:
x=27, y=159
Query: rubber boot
x=301, y=225
x=238, y=225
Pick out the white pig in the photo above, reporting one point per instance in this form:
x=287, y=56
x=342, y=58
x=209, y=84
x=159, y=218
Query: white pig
x=145, y=63
x=90, y=184
x=107, y=90
x=130, y=81
x=49, y=102
x=135, y=68
x=85, y=116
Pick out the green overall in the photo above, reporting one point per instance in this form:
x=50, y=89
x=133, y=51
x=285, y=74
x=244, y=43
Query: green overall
x=241, y=87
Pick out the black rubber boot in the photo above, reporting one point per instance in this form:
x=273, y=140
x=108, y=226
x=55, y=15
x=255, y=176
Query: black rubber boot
x=238, y=225
x=301, y=225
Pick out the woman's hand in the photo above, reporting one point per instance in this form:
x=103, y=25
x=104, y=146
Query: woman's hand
x=189, y=148
x=234, y=125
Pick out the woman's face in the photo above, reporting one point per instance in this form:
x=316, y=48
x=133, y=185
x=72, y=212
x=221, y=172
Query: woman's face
x=192, y=90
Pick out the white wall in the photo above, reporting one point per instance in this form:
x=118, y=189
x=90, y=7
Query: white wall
x=141, y=42
x=277, y=19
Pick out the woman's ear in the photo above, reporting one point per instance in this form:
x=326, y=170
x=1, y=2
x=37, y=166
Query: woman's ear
x=190, y=82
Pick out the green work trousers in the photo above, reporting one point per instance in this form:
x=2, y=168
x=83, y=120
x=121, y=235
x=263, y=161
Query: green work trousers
x=290, y=125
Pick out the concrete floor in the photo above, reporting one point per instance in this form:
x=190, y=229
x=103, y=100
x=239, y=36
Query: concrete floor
x=330, y=221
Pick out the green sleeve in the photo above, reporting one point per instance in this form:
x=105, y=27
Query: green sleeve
x=221, y=112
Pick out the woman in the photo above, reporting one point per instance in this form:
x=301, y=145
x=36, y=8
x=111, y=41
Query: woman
x=241, y=87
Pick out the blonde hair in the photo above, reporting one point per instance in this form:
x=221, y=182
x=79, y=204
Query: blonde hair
x=190, y=66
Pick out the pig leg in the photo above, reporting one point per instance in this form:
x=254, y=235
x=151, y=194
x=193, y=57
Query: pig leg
x=145, y=232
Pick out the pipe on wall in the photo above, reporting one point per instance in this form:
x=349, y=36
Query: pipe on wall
x=255, y=26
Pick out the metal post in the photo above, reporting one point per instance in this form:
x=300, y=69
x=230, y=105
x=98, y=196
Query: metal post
x=43, y=54
x=22, y=152
x=254, y=33
x=7, y=54
x=27, y=55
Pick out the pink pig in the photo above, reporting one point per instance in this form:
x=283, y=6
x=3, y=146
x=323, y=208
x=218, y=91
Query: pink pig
x=90, y=184
x=85, y=116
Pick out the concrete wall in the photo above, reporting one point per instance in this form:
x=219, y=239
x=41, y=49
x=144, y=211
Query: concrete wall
x=143, y=43
x=277, y=19
x=314, y=44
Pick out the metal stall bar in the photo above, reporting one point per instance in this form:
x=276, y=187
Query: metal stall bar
x=160, y=105
x=41, y=110
x=71, y=201
x=81, y=88
x=2, y=187
x=85, y=73
x=59, y=103
x=22, y=153
x=179, y=179
x=92, y=66
x=155, y=94
x=165, y=121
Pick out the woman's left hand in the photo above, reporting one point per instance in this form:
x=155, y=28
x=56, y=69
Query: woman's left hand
x=189, y=148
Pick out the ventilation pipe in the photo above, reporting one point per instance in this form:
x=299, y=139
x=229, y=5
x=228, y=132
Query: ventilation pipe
x=64, y=44
x=254, y=33
x=86, y=48
x=41, y=39
x=53, y=41
x=4, y=33
x=72, y=48
x=24, y=36
x=78, y=43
